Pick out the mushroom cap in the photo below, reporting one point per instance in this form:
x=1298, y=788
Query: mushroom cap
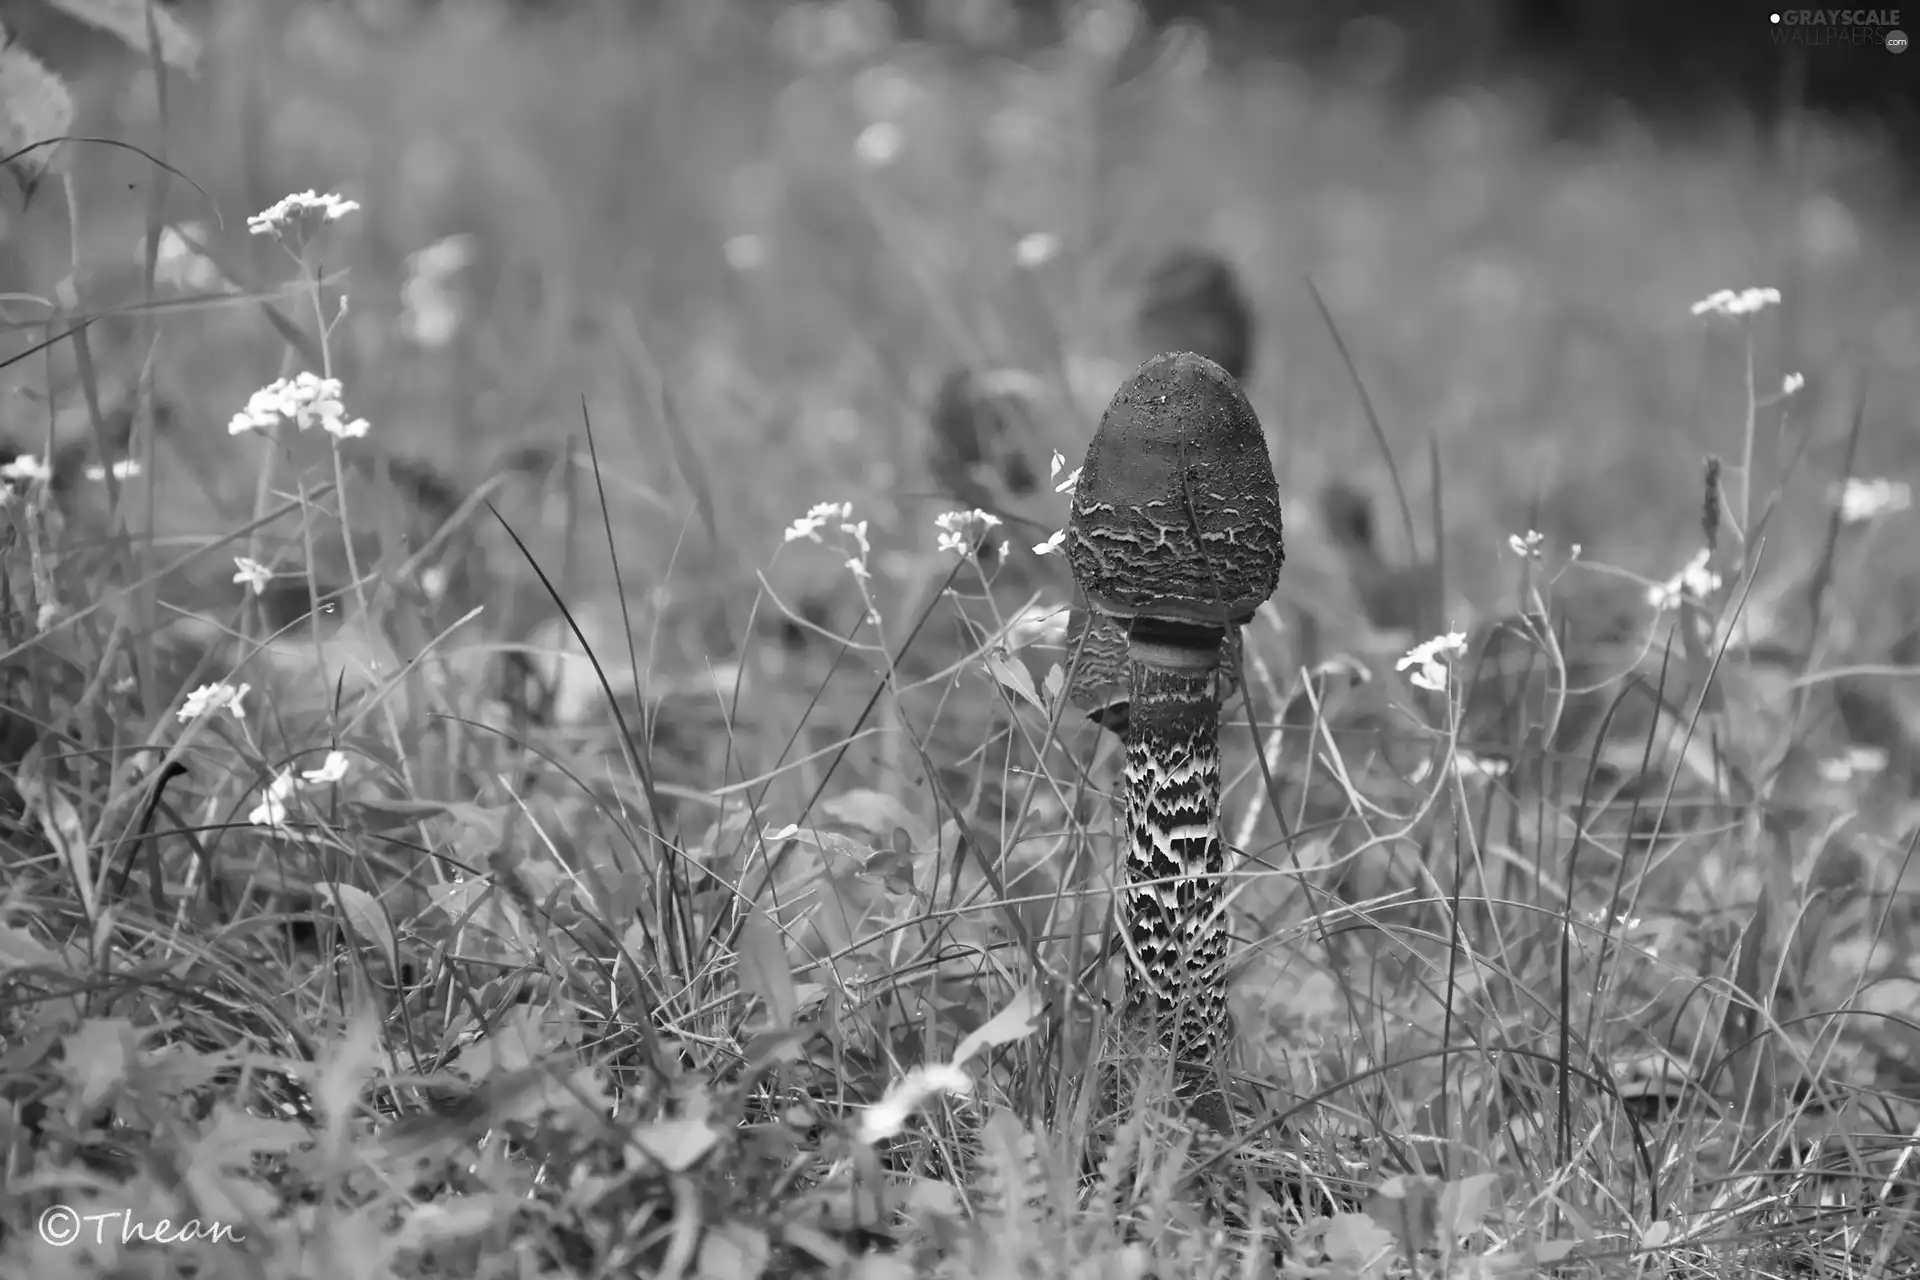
x=1176, y=515
x=983, y=430
x=1192, y=301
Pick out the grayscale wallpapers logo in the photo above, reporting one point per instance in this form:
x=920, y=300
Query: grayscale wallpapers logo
x=1857, y=27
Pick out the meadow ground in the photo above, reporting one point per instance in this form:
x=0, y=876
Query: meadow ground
x=425, y=957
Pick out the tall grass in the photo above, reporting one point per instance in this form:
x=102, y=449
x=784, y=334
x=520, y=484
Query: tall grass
x=642, y=849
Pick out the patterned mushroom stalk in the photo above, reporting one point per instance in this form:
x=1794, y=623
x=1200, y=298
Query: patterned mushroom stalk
x=1175, y=537
x=1097, y=653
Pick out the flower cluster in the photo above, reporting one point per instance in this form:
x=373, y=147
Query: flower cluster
x=819, y=516
x=1036, y=249
x=1694, y=582
x=124, y=469
x=178, y=264
x=1053, y=473
x=294, y=220
x=272, y=809
x=1529, y=545
x=879, y=144
x=305, y=399
x=209, y=698
x=431, y=314
x=27, y=469
x=962, y=532
x=1430, y=661
x=255, y=575
x=1736, y=305
x=1863, y=499
x=1854, y=763
x=1066, y=486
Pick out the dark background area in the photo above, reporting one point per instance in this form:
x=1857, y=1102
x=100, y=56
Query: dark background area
x=1668, y=60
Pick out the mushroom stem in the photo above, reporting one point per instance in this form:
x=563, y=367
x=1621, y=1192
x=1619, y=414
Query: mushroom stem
x=1175, y=540
x=1176, y=932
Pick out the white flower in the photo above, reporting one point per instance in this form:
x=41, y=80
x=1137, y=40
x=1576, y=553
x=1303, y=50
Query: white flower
x=272, y=809
x=1431, y=660
x=879, y=144
x=889, y=1116
x=28, y=469
x=858, y=567
x=254, y=574
x=960, y=531
x=1792, y=383
x=332, y=769
x=177, y=263
x=1067, y=485
x=125, y=469
x=857, y=530
x=307, y=399
x=1036, y=249
x=213, y=697
x=745, y=252
x=1863, y=499
x=810, y=525
x=49, y=613
x=1052, y=544
x=1479, y=768
x=1694, y=582
x=444, y=258
x=430, y=314
x=293, y=220
x=1732, y=305
x=1056, y=465
x=1528, y=545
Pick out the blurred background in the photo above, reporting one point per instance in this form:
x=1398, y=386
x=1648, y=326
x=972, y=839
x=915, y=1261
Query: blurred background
x=745, y=239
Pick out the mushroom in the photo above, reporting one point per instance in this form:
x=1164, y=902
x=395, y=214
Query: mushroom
x=1192, y=301
x=1175, y=537
x=982, y=429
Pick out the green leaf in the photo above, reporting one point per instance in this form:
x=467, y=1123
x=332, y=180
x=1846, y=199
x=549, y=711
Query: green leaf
x=1020, y=1019
x=734, y=1251
x=877, y=814
x=1464, y=1204
x=97, y=1057
x=1015, y=678
x=764, y=971
x=675, y=1144
x=1410, y=1207
x=1359, y=1242
x=363, y=916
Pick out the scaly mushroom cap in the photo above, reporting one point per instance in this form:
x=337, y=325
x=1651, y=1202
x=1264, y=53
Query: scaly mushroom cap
x=1176, y=515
